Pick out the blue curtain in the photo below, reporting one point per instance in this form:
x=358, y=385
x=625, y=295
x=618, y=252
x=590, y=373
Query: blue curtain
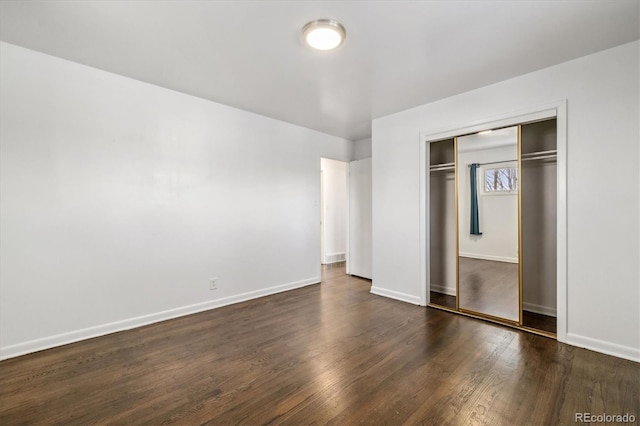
x=474, y=228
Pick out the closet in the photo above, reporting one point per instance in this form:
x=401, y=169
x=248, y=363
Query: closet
x=442, y=265
x=492, y=225
x=538, y=215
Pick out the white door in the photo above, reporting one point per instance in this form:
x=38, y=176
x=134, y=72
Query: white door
x=322, y=257
x=360, y=229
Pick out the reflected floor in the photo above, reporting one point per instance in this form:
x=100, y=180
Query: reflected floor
x=492, y=288
x=489, y=287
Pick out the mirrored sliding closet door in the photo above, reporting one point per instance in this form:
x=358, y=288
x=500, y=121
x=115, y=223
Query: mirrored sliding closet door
x=487, y=185
x=492, y=198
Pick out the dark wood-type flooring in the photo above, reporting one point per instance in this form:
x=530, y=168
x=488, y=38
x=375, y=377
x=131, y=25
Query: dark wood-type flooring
x=539, y=321
x=329, y=353
x=442, y=299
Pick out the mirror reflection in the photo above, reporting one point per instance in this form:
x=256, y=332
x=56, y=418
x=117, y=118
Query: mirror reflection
x=487, y=185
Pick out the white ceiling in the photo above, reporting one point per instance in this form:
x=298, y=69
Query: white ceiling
x=248, y=54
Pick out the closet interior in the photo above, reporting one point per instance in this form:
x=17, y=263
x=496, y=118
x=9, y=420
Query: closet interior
x=443, y=249
x=538, y=215
x=492, y=225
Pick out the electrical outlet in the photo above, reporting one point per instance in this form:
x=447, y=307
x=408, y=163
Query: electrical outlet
x=212, y=284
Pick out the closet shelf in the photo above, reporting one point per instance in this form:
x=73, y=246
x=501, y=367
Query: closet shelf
x=529, y=156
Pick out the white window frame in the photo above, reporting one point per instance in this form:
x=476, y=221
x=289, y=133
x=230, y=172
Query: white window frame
x=483, y=177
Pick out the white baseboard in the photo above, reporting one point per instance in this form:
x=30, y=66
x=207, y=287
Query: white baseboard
x=620, y=351
x=127, y=324
x=403, y=297
x=490, y=257
x=539, y=309
x=443, y=289
x=334, y=258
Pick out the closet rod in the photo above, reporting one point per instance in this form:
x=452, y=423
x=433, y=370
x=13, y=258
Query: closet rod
x=441, y=168
x=540, y=157
x=435, y=166
x=531, y=156
x=494, y=162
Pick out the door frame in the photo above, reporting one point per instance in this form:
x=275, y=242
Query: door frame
x=347, y=254
x=322, y=217
x=322, y=205
x=557, y=110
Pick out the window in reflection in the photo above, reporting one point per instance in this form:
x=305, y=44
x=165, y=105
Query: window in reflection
x=501, y=179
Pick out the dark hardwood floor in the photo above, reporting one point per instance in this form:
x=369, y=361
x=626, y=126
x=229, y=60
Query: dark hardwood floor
x=539, y=321
x=329, y=353
x=442, y=299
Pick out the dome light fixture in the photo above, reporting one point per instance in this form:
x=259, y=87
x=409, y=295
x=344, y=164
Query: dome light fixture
x=324, y=34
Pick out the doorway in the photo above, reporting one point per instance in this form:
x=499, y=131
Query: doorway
x=333, y=211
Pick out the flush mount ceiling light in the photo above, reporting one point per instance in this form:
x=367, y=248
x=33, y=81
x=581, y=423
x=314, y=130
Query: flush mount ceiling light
x=324, y=34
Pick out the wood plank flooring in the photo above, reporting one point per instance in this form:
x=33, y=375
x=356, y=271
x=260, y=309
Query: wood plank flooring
x=539, y=321
x=442, y=299
x=329, y=353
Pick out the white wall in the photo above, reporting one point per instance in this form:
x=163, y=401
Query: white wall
x=335, y=209
x=121, y=199
x=361, y=149
x=602, y=92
